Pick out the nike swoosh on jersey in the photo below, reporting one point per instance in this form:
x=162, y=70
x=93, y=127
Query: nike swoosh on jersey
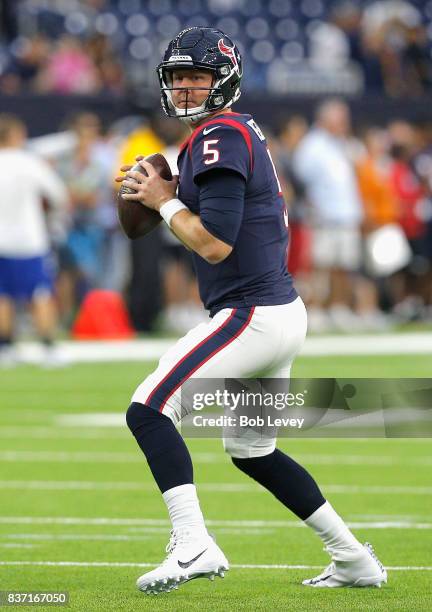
x=208, y=130
x=185, y=564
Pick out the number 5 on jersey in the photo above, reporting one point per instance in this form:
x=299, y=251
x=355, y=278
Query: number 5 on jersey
x=208, y=149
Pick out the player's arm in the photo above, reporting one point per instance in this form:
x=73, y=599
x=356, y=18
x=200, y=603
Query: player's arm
x=190, y=231
x=221, y=174
x=213, y=233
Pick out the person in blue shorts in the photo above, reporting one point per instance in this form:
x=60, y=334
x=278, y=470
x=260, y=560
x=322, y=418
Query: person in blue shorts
x=26, y=270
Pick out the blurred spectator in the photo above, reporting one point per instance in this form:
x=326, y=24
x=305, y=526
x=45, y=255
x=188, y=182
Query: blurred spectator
x=322, y=162
x=24, y=67
x=411, y=195
x=110, y=71
x=70, y=70
x=183, y=308
x=8, y=20
x=423, y=167
x=380, y=12
x=370, y=60
x=299, y=257
x=375, y=181
x=319, y=43
x=381, y=208
x=145, y=290
x=115, y=265
x=416, y=59
x=347, y=16
x=329, y=47
x=364, y=45
x=26, y=270
x=406, y=184
x=394, y=30
x=85, y=177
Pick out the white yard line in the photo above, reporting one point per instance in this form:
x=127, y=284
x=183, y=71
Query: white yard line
x=148, y=349
x=121, y=457
x=146, y=534
x=375, y=344
x=112, y=420
x=93, y=419
x=16, y=545
x=78, y=428
x=406, y=568
x=62, y=520
x=214, y=487
x=48, y=433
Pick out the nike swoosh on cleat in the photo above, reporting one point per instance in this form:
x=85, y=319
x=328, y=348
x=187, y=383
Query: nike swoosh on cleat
x=321, y=579
x=185, y=564
x=208, y=130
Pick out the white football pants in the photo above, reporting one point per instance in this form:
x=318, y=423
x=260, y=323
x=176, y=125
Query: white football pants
x=237, y=343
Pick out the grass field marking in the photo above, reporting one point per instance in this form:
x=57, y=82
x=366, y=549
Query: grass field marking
x=122, y=457
x=120, y=537
x=52, y=432
x=92, y=419
x=30, y=418
x=397, y=568
x=16, y=545
x=62, y=520
x=42, y=537
x=214, y=487
x=376, y=419
x=151, y=349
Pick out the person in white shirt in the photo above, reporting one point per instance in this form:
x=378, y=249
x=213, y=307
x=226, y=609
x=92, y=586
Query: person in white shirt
x=26, y=184
x=323, y=163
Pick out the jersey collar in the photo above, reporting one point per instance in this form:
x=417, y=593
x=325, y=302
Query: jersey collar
x=186, y=142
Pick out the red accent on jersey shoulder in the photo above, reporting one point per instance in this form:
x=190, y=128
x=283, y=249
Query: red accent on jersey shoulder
x=185, y=142
x=231, y=122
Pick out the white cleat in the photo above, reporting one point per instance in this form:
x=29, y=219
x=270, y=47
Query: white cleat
x=189, y=557
x=364, y=570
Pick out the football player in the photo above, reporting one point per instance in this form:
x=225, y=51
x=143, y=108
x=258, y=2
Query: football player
x=230, y=213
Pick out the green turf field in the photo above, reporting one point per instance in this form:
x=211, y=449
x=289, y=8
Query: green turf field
x=84, y=495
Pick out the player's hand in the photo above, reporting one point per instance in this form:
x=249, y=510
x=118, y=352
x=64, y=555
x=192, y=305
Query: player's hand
x=151, y=191
x=125, y=168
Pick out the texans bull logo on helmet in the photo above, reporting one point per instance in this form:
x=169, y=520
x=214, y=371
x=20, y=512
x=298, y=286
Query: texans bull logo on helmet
x=229, y=52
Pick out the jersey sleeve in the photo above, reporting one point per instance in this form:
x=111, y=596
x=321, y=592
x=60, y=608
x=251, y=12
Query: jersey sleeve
x=222, y=147
x=221, y=204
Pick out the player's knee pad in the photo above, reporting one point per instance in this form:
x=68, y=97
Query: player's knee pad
x=136, y=416
x=255, y=467
x=244, y=448
x=139, y=416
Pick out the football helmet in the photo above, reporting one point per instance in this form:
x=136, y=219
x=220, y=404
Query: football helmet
x=201, y=48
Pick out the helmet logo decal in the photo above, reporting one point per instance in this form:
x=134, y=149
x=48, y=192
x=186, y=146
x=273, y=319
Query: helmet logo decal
x=229, y=52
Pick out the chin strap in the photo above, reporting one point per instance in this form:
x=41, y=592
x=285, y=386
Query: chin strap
x=198, y=116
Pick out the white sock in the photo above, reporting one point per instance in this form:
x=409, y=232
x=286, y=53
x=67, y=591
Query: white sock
x=184, y=509
x=329, y=526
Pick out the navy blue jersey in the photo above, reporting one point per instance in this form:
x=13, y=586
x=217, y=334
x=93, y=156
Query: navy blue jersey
x=255, y=273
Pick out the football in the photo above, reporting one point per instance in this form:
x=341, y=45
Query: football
x=138, y=220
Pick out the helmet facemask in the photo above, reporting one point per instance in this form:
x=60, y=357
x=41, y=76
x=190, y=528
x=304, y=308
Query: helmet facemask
x=220, y=94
